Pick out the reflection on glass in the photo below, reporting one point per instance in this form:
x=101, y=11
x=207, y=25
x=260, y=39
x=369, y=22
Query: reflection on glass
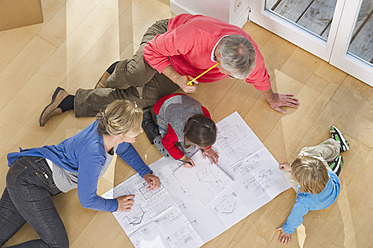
x=315, y=16
x=361, y=45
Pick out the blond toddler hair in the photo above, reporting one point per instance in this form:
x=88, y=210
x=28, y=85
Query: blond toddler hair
x=310, y=173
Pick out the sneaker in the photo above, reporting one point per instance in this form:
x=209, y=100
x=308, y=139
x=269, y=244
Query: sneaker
x=150, y=128
x=337, y=135
x=336, y=165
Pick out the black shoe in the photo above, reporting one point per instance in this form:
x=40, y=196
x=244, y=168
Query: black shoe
x=150, y=128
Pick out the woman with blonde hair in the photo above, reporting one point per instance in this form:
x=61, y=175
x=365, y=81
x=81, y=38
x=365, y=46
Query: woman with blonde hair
x=37, y=174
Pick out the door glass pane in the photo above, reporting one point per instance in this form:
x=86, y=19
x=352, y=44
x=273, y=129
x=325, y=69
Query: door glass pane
x=361, y=44
x=314, y=16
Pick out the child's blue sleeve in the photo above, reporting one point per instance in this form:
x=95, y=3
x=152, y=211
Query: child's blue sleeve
x=295, y=218
x=129, y=155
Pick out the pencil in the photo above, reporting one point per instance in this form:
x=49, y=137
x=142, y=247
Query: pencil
x=190, y=83
x=185, y=161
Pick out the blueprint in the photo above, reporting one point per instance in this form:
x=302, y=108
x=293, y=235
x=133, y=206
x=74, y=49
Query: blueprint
x=194, y=205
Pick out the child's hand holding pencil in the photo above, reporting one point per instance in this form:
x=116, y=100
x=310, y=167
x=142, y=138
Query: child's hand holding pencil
x=187, y=162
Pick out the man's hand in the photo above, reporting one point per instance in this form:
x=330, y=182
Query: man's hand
x=187, y=162
x=283, y=100
x=276, y=101
x=181, y=81
x=152, y=181
x=125, y=203
x=284, y=237
x=211, y=154
x=183, y=84
x=284, y=166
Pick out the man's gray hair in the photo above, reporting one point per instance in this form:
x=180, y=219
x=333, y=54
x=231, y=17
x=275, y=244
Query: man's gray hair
x=237, y=55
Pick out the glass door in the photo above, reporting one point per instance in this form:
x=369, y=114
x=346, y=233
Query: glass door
x=310, y=24
x=353, y=49
x=338, y=31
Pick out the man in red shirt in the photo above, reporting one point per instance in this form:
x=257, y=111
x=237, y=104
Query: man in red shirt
x=170, y=51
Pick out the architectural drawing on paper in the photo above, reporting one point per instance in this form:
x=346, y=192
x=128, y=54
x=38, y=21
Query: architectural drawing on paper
x=146, y=193
x=254, y=186
x=135, y=216
x=265, y=178
x=175, y=166
x=196, y=204
x=205, y=180
x=182, y=236
x=265, y=175
x=207, y=175
x=228, y=205
x=245, y=167
x=145, y=231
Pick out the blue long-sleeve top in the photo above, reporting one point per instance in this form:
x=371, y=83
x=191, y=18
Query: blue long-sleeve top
x=85, y=154
x=308, y=201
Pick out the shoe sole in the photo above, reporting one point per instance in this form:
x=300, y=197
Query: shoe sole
x=343, y=139
x=55, y=93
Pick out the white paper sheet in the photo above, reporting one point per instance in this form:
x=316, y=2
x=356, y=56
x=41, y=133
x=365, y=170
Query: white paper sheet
x=148, y=205
x=205, y=180
x=175, y=216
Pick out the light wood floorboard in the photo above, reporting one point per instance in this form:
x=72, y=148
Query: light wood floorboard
x=79, y=39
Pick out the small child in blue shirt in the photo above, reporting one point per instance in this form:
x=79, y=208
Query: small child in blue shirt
x=314, y=176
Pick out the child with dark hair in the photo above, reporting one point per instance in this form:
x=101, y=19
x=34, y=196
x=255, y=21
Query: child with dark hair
x=314, y=176
x=184, y=125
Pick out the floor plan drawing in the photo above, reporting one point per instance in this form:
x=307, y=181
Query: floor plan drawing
x=227, y=206
x=146, y=193
x=205, y=180
x=135, y=216
x=194, y=205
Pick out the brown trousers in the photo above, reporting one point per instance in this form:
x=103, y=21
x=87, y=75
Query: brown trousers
x=146, y=85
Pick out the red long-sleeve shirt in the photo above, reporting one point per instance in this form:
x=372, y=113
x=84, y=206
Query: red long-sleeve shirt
x=188, y=45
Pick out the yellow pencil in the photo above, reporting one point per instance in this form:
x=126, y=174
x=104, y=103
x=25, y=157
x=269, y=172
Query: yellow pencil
x=190, y=83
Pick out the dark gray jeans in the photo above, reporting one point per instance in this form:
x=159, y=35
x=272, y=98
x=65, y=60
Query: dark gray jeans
x=146, y=84
x=27, y=198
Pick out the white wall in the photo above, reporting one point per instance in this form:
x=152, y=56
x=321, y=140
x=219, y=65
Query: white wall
x=223, y=9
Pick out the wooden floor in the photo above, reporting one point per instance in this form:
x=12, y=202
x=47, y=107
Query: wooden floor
x=316, y=16
x=80, y=38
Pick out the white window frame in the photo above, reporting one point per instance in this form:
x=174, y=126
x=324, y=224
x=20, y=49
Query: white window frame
x=334, y=50
x=339, y=57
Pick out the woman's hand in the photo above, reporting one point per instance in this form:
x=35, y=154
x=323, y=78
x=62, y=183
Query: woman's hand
x=284, y=237
x=285, y=166
x=152, y=181
x=125, y=203
x=211, y=154
x=187, y=162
